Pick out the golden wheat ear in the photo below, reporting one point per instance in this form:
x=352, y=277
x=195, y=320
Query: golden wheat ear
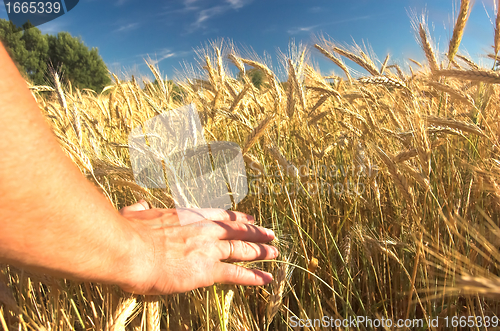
x=458, y=31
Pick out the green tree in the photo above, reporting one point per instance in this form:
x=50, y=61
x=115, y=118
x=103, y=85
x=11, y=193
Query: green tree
x=83, y=67
x=11, y=36
x=256, y=76
x=37, y=47
x=33, y=52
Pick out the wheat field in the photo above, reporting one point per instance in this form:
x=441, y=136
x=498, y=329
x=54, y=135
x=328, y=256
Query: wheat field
x=382, y=186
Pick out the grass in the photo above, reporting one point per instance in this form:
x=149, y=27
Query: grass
x=383, y=190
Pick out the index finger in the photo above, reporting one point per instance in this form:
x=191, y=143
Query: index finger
x=227, y=230
x=228, y=215
x=191, y=215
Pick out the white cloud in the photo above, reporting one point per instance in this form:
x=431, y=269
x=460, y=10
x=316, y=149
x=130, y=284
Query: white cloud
x=315, y=10
x=127, y=27
x=53, y=27
x=163, y=54
x=121, y=2
x=205, y=15
x=301, y=29
x=236, y=4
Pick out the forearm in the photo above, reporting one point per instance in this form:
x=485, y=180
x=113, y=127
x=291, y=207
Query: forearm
x=51, y=217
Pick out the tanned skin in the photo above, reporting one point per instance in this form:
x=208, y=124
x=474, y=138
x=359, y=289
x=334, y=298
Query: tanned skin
x=53, y=220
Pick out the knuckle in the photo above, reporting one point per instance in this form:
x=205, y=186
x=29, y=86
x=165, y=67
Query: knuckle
x=235, y=272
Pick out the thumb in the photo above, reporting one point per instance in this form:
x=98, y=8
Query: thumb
x=139, y=206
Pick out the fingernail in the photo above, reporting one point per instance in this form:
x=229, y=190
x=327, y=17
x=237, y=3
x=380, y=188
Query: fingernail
x=276, y=252
x=270, y=233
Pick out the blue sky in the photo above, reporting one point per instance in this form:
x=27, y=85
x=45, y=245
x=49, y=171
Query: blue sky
x=127, y=31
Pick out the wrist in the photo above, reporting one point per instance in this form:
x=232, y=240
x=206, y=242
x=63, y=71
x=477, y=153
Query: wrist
x=133, y=261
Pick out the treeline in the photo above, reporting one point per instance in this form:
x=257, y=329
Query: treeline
x=34, y=52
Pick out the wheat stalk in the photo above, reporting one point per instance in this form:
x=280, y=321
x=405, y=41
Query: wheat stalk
x=153, y=314
x=426, y=45
x=220, y=67
x=335, y=60
x=496, y=44
x=290, y=100
x=237, y=62
x=416, y=62
x=384, y=65
x=455, y=64
x=400, y=72
x=383, y=80
x=454, y=124
x=319, y=116
x=257, y=133
x=406, y=155
x=239, y=97
x=7, y=298
x=288, y=167
x=59, y=90
x=397, y=177
x=278, y=289
x=228, y=300
x=297, y=86
x=419, y=178
x=481, y=75
x=318, y=104
x=468, y=61
x=124, y=310
x=368, y=66
x=453, y=92
x=41, y=88
x=253, y=162
x=211, y=73
x=458, y=31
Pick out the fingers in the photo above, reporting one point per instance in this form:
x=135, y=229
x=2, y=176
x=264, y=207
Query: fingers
x=228, y=215
x=192, y=215
x=233, y=231
x=234, y=274
x=188, y=216
x=246, y=251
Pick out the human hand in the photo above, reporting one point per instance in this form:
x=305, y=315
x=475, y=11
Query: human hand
x=174, y=257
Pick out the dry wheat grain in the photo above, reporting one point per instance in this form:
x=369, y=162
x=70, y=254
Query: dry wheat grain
x=481, y=75
x=454, y=124
x=153, y=313
x=400, y=72
x=458, y=31
x=468, y=61
x=335, y=60
x=397, y=177
x=287, y=166
x=296, y=84
x=496, y=43
x=257, y=133
x=368, y=66
x=416, y=62
x=383, y=80
x=453, y=92
x=384, y=65
x=318, y=104
x=317, y=117
x=406, y=155
x=278, y=289
x=427, y=47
